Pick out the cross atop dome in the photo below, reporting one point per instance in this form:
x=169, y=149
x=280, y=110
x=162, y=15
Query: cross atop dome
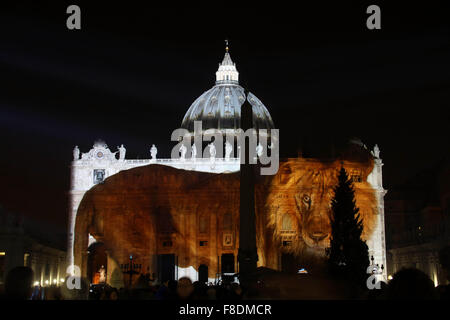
x=227, y=72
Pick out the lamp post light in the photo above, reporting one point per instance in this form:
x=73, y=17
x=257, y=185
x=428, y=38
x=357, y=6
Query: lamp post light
x=131, y=269
x=373, y=266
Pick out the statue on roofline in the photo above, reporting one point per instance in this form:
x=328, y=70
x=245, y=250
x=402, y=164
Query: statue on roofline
x=183, y=150
x=376, y=152
x=76, y=153
x=153, y=152
x=122, y=152
x=228, y=150
x=212, y=150
x=194, y=152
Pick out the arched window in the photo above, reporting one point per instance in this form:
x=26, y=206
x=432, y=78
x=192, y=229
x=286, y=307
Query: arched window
x=227, y=222
x=203, y=224
x=355, y=176
x=286, y=223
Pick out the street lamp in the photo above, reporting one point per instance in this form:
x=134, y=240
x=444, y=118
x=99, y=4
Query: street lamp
x=131, y=269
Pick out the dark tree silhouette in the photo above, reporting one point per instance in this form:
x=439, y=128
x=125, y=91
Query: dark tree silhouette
x=348, y=253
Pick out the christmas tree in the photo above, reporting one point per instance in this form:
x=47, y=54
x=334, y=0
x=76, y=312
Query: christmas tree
x=348, y=253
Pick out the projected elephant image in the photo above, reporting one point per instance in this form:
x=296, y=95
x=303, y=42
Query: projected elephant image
x=158, y=213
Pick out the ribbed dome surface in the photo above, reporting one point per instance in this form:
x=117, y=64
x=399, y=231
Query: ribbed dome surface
x=220, y=108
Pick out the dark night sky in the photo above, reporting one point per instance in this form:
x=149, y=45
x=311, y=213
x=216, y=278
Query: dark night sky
x=132, y=72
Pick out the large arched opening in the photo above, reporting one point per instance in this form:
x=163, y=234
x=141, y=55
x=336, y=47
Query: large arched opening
x=97, y=264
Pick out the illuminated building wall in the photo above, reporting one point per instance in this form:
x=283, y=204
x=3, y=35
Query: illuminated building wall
x=418, y=216
x=158, y=212
x=22, y=246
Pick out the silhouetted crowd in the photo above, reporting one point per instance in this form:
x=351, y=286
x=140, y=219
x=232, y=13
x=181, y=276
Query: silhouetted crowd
x=183, y=289
x=410, y=284
x=405, y=284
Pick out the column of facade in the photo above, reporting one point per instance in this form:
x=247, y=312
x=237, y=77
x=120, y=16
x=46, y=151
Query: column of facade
x=193, y=245
x=75, y=199
x=214, y=250
x=180, y=252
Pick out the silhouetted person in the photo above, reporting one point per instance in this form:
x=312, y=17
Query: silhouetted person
x=114, y=294
x=53, y=293
x=444, y=260
x=18, y=283
x=172, y=292
x=236, y=291
x=443, y=292
x=411, y=284
x=199, y=291
x=211, y=293
x=185, y=288
x=168, y=291
x=143, y=281
x=162, y=291
x=122, y=293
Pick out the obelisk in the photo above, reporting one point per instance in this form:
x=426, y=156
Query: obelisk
x=247, y=255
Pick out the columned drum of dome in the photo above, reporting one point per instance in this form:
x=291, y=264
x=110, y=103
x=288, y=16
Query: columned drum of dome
x=219, y=108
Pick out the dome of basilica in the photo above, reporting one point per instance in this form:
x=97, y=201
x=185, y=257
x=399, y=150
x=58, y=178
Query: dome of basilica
x=220, y=107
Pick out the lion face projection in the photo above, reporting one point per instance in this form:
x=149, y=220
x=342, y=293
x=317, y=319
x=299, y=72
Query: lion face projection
x=307, y=191
x=314, y=213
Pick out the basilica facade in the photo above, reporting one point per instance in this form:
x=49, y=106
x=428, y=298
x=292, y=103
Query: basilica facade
x=180, y=216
